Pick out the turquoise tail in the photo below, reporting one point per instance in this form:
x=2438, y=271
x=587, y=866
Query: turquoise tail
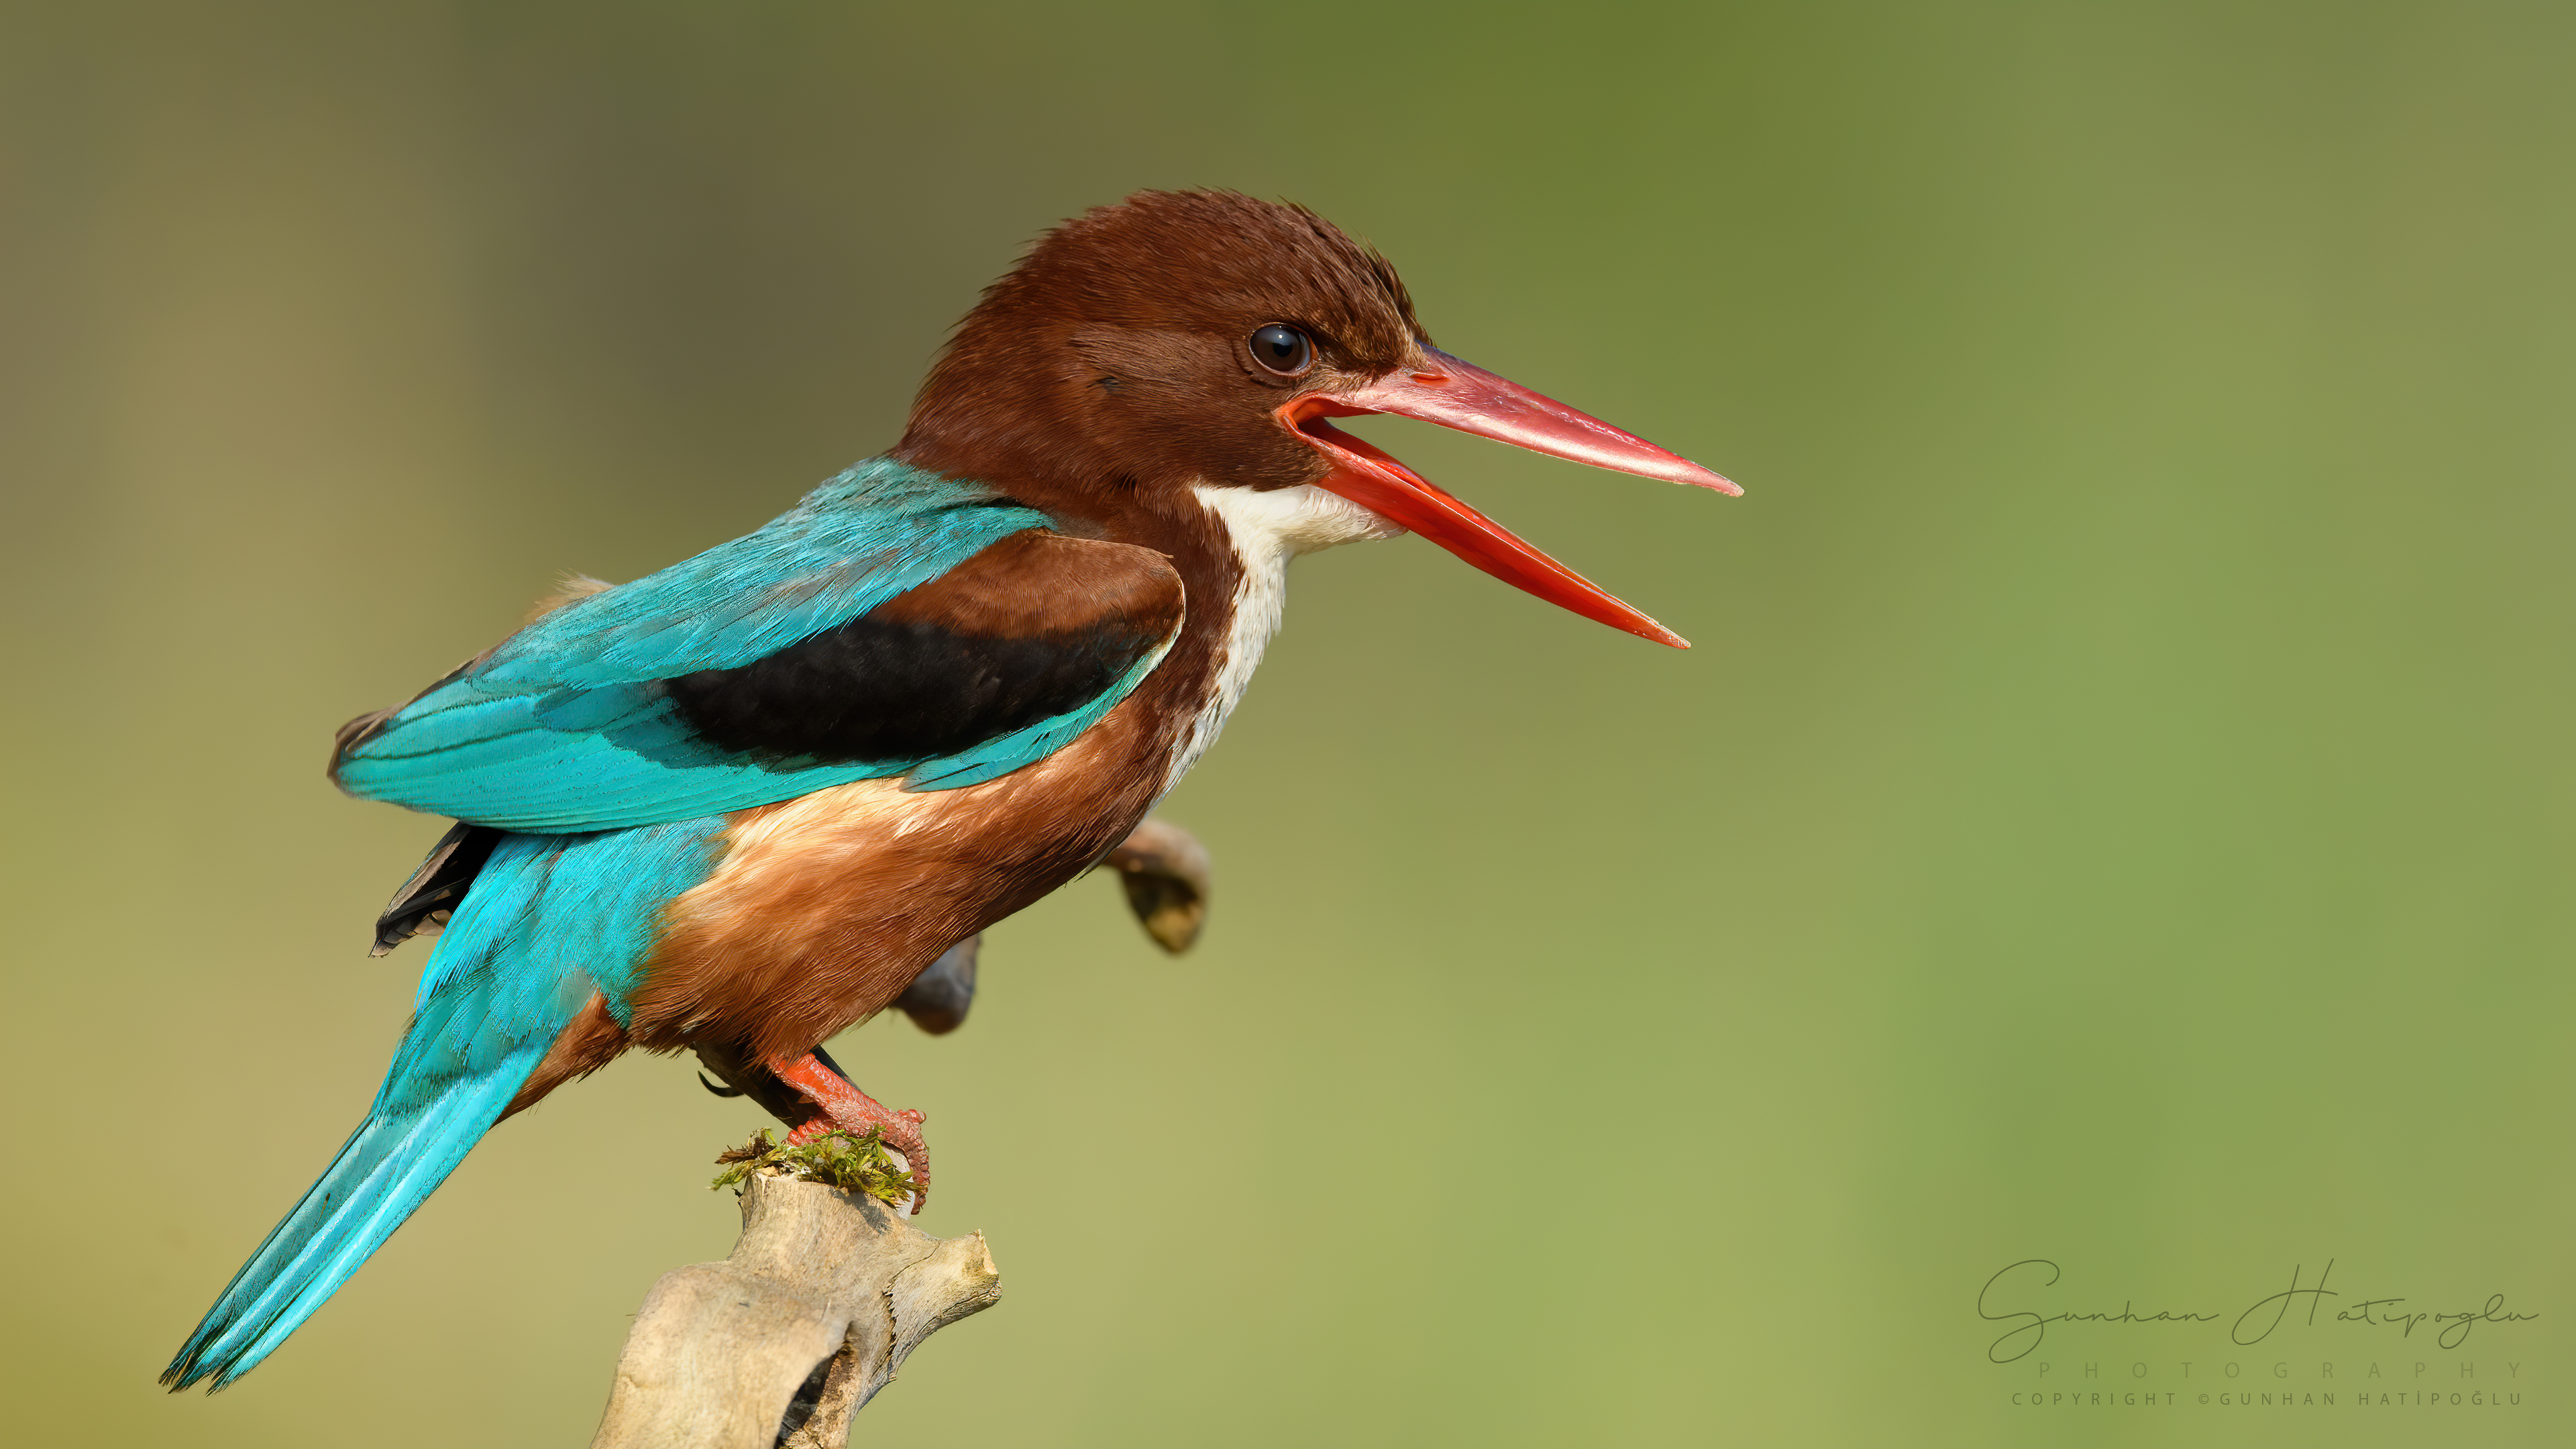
x=549, y=920
x=388, y=1167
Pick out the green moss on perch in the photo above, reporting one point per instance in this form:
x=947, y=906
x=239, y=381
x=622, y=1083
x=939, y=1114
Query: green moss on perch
x=858, y=1164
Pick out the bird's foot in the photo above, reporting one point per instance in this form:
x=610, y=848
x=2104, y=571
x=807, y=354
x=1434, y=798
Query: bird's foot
x=839, y=1106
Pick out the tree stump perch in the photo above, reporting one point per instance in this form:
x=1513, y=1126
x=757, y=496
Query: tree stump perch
x=820, y=1302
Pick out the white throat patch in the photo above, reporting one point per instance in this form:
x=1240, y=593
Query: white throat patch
x=1267, y=530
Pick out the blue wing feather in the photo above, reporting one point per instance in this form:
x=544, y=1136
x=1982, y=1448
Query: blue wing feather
x=561, y=728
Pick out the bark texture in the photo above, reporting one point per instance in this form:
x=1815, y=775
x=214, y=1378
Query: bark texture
x=820, y=1302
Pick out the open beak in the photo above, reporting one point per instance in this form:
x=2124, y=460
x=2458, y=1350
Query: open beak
x=1461, y=395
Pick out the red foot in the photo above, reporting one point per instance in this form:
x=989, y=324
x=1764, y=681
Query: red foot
x=840, y=1106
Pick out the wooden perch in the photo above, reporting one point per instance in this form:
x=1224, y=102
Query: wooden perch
x=820, y=1302
x=1165, y=872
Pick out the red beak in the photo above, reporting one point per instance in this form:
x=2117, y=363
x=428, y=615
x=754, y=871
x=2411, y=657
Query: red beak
x=1461, y=395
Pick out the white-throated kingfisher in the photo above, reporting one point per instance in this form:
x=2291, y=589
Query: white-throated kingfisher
x=739, y=805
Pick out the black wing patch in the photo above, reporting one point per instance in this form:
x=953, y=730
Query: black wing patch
x=1034, y=626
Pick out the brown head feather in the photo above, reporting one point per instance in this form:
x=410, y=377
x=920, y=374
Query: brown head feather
x=1114, y=356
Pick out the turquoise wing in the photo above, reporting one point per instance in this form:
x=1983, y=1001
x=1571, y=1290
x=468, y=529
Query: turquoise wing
x=571, y=724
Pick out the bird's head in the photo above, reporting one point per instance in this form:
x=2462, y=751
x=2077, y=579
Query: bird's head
x=1195, y=339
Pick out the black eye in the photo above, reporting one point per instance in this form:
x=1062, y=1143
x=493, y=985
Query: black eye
x=1282, y=349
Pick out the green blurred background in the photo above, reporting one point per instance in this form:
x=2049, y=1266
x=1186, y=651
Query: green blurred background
x=2117, y=812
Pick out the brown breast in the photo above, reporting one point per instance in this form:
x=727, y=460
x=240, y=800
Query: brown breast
x=822, y=909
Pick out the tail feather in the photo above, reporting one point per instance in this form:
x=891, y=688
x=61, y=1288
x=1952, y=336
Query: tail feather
x=550, y=920
x=388, y=1167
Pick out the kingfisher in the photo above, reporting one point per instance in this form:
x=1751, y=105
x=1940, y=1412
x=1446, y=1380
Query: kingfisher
x=745, y=803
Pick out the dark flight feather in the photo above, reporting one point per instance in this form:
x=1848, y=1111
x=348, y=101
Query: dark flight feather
x=1029, y=628
x=426, y=901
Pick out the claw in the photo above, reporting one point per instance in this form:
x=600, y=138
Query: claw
x=841, y=1106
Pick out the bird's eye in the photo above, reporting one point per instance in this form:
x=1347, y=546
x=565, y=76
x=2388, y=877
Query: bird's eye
x=1282, y=349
